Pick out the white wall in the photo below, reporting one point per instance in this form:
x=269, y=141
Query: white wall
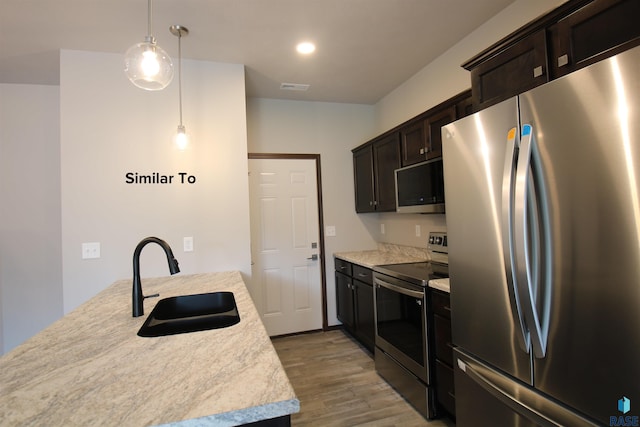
x=331, y=130
x=30, y=246
x=109, y=128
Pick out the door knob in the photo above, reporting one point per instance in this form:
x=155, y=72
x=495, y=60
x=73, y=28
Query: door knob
x=313, y=257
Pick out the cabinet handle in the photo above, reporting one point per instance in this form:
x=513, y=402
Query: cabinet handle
x=563, y=60
x=362, y=275
x=537, y=72
x=447, y=307
x=451, y=394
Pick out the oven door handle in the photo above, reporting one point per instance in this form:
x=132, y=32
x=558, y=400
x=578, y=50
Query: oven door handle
x=400, y=289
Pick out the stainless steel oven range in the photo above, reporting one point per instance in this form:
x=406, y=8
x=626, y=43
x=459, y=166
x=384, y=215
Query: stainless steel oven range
x=403, y=354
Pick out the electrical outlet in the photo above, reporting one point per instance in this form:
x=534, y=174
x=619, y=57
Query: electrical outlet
x=91, y=250
x=417, y=231
x=330, y=230
x=188, y=244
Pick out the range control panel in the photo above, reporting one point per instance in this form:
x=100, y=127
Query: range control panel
x=437, y=247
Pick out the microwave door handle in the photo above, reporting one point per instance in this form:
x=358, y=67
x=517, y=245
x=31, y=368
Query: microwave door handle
x=508, y=184
x=399, y=289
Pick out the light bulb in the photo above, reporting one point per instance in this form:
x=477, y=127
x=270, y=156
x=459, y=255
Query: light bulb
x=150, y=65
x=181, y=139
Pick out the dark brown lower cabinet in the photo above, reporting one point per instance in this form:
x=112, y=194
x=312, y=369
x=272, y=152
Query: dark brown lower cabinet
x=445, y=391
x=354, y=301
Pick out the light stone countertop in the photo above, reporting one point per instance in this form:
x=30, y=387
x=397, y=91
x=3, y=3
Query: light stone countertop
x=385, y=254
x=91, y=369
x=440, y=284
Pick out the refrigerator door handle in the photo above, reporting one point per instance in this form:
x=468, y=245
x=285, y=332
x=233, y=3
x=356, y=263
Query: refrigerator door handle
x=521, y=399
x=533, y=279
x=508, y=189
x=504, y=396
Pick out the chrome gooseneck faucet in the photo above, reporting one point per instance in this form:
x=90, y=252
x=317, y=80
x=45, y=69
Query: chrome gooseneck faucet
x=138, y=298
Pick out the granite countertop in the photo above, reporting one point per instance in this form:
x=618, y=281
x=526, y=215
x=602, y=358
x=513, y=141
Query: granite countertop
x=385, y=254
x=91, y=368
x=440, y=284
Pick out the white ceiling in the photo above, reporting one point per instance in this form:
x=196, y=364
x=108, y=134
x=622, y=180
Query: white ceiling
x=365, y=48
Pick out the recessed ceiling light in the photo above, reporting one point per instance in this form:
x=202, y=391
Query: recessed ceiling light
x=305, y=48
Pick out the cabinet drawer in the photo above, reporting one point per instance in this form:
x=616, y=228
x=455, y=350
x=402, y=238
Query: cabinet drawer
x=363, y=274
x=445, y=392
x=343, y=266
x=441, y=304
x=444, y=347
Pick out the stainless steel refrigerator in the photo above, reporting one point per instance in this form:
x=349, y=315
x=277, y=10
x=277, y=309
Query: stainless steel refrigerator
x=543, y=221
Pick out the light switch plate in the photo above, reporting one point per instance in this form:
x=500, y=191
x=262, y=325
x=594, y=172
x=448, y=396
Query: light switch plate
x=91, y=250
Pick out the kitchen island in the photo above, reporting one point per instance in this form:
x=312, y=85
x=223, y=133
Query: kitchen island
x=91, y=367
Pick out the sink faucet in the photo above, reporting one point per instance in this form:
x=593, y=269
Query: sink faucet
x=138, y=298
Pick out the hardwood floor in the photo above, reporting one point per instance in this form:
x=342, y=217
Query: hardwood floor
x=337, y=384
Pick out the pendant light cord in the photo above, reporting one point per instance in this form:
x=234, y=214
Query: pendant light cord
x=149, y=25
x=180, y=74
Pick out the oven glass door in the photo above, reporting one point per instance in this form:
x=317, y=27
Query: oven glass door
x=401, y=323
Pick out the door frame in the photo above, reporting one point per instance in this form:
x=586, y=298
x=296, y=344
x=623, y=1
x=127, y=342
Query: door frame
x=316, y=157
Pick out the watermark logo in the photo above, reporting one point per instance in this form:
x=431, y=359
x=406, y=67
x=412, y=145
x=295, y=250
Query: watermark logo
x=624, y=406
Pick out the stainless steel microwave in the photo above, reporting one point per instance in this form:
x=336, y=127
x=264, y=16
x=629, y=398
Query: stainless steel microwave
x=420, y=188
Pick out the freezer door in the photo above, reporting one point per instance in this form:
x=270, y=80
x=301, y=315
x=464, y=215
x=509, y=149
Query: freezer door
x=478, y=156
x=485, y=397
x=587, y=130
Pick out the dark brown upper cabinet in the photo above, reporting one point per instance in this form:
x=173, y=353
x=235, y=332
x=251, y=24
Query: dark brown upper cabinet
x=520, y=67
x=600, y=29
x=433, y=126
x=373, y=168
x=414, y=141
x=571, y=36
x=421, y=136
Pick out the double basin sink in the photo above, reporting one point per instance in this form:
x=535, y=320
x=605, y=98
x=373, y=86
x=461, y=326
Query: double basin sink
x=191, y=313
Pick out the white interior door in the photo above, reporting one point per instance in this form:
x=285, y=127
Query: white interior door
x=285, y=248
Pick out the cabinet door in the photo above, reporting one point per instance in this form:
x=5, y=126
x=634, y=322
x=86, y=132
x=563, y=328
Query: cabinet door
x=598, y=30
x=386, y=159
x=344, y=300
x=517, y=69
x=434, y=124
x=464, y=107
x=364, y=181
x=414, y=143
x=365, y=322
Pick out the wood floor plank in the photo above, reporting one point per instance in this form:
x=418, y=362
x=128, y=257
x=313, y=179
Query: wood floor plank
x=336, y=382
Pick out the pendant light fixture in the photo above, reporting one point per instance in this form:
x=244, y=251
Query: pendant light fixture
x=146, y=64
x=181, y=139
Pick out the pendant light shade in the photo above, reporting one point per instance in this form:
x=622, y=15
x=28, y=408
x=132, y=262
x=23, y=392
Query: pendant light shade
x=146, y=64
